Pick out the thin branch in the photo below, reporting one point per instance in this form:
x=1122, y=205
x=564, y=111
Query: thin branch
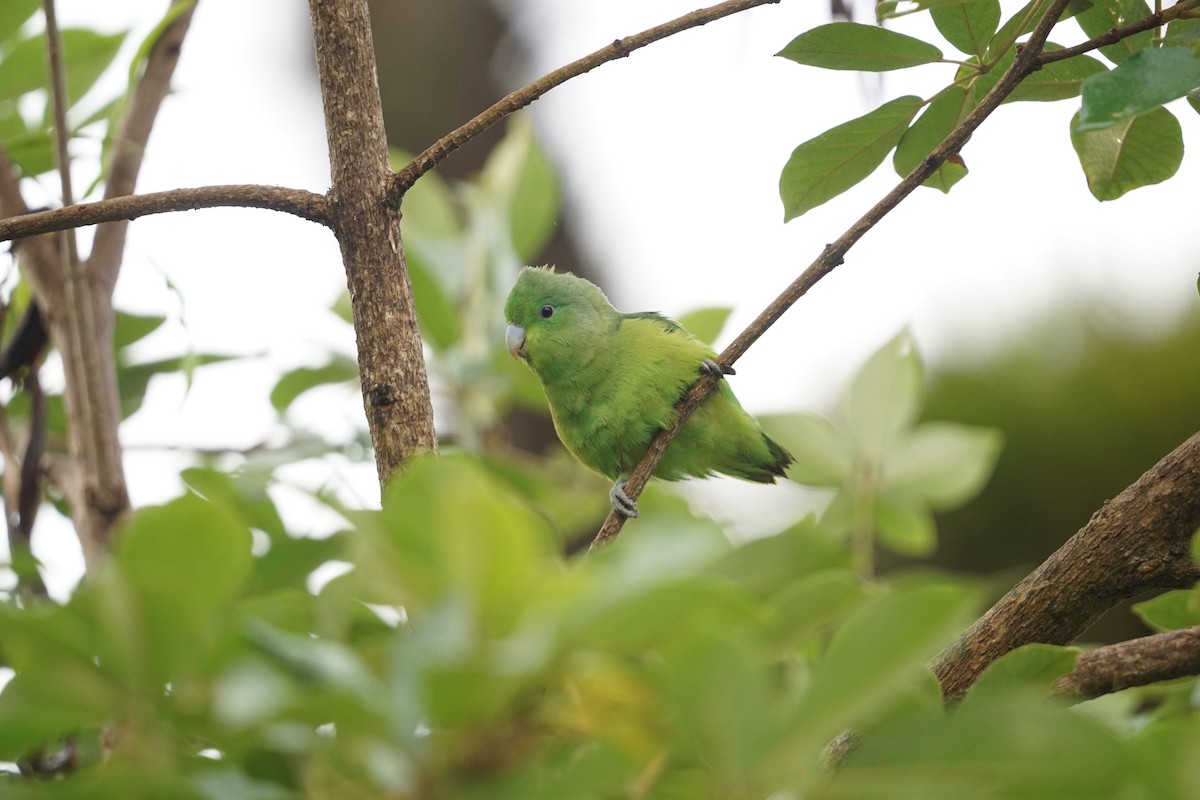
x=152, y=86
x=301, y=203
x=517, y=100
x=1139, y=540
x=1137, y=662
x=58, y=99
x=1117, y=34
x=832, y=256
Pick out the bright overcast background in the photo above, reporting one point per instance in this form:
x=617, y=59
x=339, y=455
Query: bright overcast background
x=670, y=160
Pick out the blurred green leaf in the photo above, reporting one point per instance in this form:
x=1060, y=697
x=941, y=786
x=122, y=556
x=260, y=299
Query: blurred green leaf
x=905, y=524
x=706, y=324
x=824, y=455
x=1139, y=151
x=876, y=655
x=826, y=166
x=339, y=369
x=87, y=54
x=1141, y=83
x=885, y=396
x=428, y=208
x=1018, y=747
x=518, y=174
x=437, y=313
x=185, y=561
x=945, y=463
x=14, y=14
x=132, y=328
x=968, y=26
x=1104, y=15
x=850, y=45
x=1031, y=668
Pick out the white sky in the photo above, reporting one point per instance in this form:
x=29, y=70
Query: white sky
x=672, y=156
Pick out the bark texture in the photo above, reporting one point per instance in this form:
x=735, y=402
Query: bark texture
x=1139, y=540
x=390, y=361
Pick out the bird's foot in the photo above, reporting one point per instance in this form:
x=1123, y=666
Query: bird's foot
x=710, y=367
x=622, y=503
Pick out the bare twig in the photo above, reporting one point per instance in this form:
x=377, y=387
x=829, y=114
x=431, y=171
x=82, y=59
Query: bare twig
x=517, y=100
x=832, y=256
x=1137, y=662
x=1139, y=540
x=301, y=203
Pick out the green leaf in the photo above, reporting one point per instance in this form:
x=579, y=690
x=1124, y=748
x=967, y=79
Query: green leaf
x=1140, y=151
x=706, y=324
x=850, y=45
x=968, y=26
x=824, y=455
x=1170, y=611
x=1058, y=80
x=885, y=395
x=1104, y=15
x=826, y=166
x=428, y=207
x=131, y=328
x=1144, y=81
x=935, y=123
x=1032, y=667
x=340, y=369
x=519, y=176
x=905, y=525
x=185, y=561
x=944, y=463
x=14, y=14
x=877, y=655
x=436, y=312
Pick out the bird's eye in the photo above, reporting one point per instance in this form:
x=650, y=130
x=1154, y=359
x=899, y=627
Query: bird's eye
x=547, y=312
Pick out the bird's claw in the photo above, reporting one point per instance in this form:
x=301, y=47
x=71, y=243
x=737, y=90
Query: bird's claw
x=622, y=503
x=711, y=367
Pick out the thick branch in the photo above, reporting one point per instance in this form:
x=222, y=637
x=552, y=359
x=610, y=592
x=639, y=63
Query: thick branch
x=304, y=204
x=517, y=100
x=1137, y=662
x=833, y=255
x=108, y=247
x=390, y=360
x=1137, y=541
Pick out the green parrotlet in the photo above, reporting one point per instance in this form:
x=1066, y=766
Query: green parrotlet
x=612, y=381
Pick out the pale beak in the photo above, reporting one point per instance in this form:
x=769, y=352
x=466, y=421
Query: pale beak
x=514, y=338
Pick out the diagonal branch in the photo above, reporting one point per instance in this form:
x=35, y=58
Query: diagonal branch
x=1139, y=540
x=517, y=100
x=301, y=203
x=833, y=255
x=1137, y=662
x=153, y=85
x=1115, y=35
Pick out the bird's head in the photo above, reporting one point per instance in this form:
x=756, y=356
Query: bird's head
x=551, y=313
